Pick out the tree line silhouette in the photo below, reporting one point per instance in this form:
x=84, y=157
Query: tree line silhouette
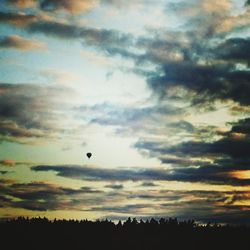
x=41, y=233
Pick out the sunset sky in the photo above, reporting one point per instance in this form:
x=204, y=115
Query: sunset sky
x=158, y=91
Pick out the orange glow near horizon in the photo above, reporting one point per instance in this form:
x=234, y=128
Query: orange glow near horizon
x=240, y=174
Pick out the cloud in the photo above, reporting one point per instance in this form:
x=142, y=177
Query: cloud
x=19, y=43
x=130, y=208
x=139, y=121
x=16, y=103
x=227, y=147
x=10, y=163
x=69, y=6
x=196, y=63
x=101, y=38
x=114, y=186
x=12, y=129
x=234, y=144
x=205, y=161
x=58, y=76
x=118, y=3
x=3, y=172
x=42, y=196
x=208, y=205
x=242, y=126
x=173, y=52
x=115, y=115
x=207, y=174
x=148, y=184
x=208, y=82
x=7, y=162
x=216, y=18
x=235, y=49
x=203, y=77
x=22, y=3
x=97, y=174
x=72, y=6
x=28, y=110
x=230, y=147
x=192, y=52
x=16, y=19
x=193, y=68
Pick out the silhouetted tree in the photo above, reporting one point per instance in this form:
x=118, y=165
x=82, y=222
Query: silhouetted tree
x=41, y=233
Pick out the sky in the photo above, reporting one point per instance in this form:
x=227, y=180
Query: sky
x=157, y=91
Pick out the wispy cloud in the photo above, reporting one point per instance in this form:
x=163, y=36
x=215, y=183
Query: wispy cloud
x=22, y=3
x=7, y=162
x=214, y=174
x=11, y=163
x=41, y=196
x=72, y=6
x=16, y=19
x=19, y=43
x=207, y=205
x=29, y=110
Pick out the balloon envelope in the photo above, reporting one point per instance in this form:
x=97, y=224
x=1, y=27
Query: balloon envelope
x=89, y=155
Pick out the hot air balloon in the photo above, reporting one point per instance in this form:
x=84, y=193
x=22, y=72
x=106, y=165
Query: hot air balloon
x=89, y=154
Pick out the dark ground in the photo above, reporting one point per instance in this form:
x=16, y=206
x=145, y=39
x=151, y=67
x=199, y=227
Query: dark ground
x=163, y=234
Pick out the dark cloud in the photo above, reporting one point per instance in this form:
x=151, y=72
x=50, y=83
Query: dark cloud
x=99, y=174
x=10, y=129
x=89, y=190
x=209, y=82
x=114, y=186
x=231, y=147
x=73, y=6
x=182, y=126
x=242, y=126
x=59, y=30
x=124, y=53
x=28, y=110
x=199, y=58
x=22, y=3
x=235, y=49
x=41, y=196
x=131, y=208
x=181, y=161
x=183, y=59
x=17, y=42
x=16, y=19
x=212, y=173
x=202, y=61
x=3, y=172
x=148, y=184
x=101, y=38
x=202, y=205
x=109, y=41
x=34, y=196
x=107, y=114
x=207, y=162
x=70, y=6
